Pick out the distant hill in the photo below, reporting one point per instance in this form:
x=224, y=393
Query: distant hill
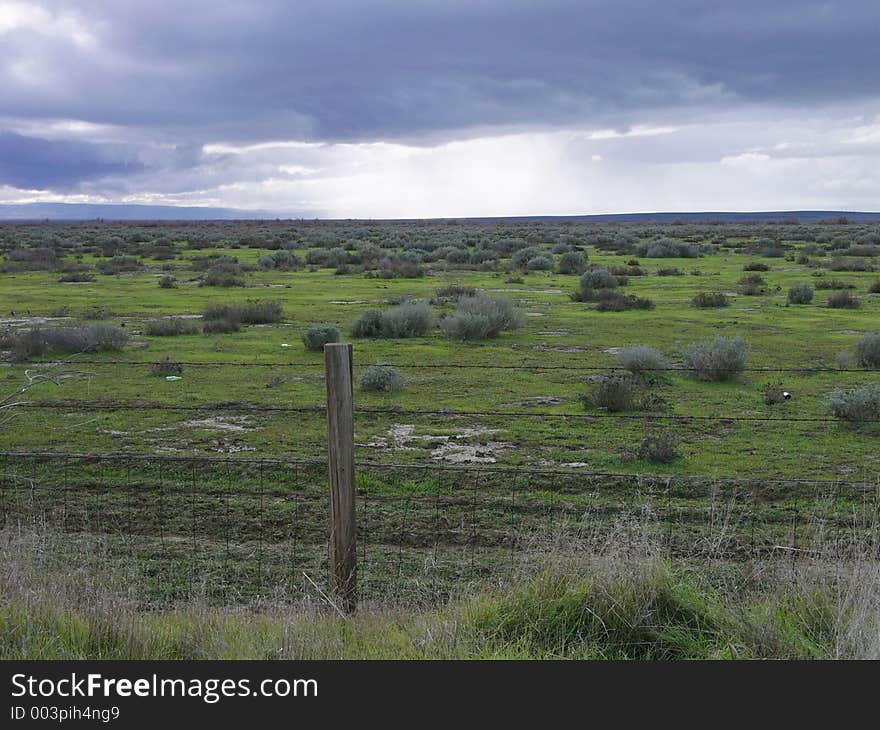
x=121, y=212
x=88, y=211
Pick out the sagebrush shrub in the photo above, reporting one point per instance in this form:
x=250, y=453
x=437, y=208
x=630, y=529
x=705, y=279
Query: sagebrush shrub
x=482, y=316
x=467, y=326
x=314, y=338
x=856, y=405
x=166, y=366
x=167, y=282
x=843, y=300
x=875, y=287
x=540, y=263
x=718, y=359
x=613, y=301
x=223, y=274
x=368, y=324
x=800, y=294
x=410, y=319
x=572, y=262
x=170, y=327
x=95, y=337
x=707, y=299
x=868, y=350
x=667, y=248
x=640, y=359
x=615, y=393
x=382, y=378
x=598, y=279
x=253, y=311
x=659, y=449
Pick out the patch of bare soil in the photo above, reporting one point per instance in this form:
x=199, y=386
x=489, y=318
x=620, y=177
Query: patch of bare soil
x=456, y=447
x=540, y=400
x=231, y=424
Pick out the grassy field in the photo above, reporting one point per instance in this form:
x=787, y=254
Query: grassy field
x=517, y=454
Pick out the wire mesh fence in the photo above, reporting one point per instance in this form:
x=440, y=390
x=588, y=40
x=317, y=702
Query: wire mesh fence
x=231, y=530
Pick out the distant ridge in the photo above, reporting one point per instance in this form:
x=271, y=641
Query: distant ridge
x=124, y=212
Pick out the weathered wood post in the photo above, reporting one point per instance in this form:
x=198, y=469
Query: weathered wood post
x=340, y=458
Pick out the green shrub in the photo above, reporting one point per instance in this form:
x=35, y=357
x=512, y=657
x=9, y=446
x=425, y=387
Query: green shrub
x=868, y=350
x=314, y=338
x=800, y=294
x=382, y=378
x=718, y=359
x=756, y=266
x=482, y=316
x=707, y=299
x=641, y=359
x=170, y=327
x=167, y=282
x=856, y=405
x=875, y=287
x=659, y=449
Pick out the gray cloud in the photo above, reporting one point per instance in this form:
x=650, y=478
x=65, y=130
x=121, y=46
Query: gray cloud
x=355, y=71
x=28, y=162
x=163, y=79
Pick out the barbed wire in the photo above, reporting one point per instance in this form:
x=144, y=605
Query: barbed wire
x=482, y=469
x=806, y=370
x=446, y=413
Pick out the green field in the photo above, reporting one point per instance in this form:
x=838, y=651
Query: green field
x=513, y=401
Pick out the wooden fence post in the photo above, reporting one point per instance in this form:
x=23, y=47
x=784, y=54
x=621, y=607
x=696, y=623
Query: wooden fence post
x=340, y=458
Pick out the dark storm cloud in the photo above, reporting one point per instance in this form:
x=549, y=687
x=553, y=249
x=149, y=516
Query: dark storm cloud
x=28, y=162
x=350, y=70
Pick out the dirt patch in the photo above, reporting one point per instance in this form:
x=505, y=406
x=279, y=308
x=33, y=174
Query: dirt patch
x=27, y=321
x=541, y=400
x=543, y=347
x=231, y=424
x=450, y=447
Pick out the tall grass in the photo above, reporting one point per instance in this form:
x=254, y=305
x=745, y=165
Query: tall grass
x=614, y=597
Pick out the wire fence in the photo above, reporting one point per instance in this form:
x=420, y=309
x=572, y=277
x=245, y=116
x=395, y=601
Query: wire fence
x=229, y=529
x=240, y=528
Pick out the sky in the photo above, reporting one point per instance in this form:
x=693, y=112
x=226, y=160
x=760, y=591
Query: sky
x=442, y=108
